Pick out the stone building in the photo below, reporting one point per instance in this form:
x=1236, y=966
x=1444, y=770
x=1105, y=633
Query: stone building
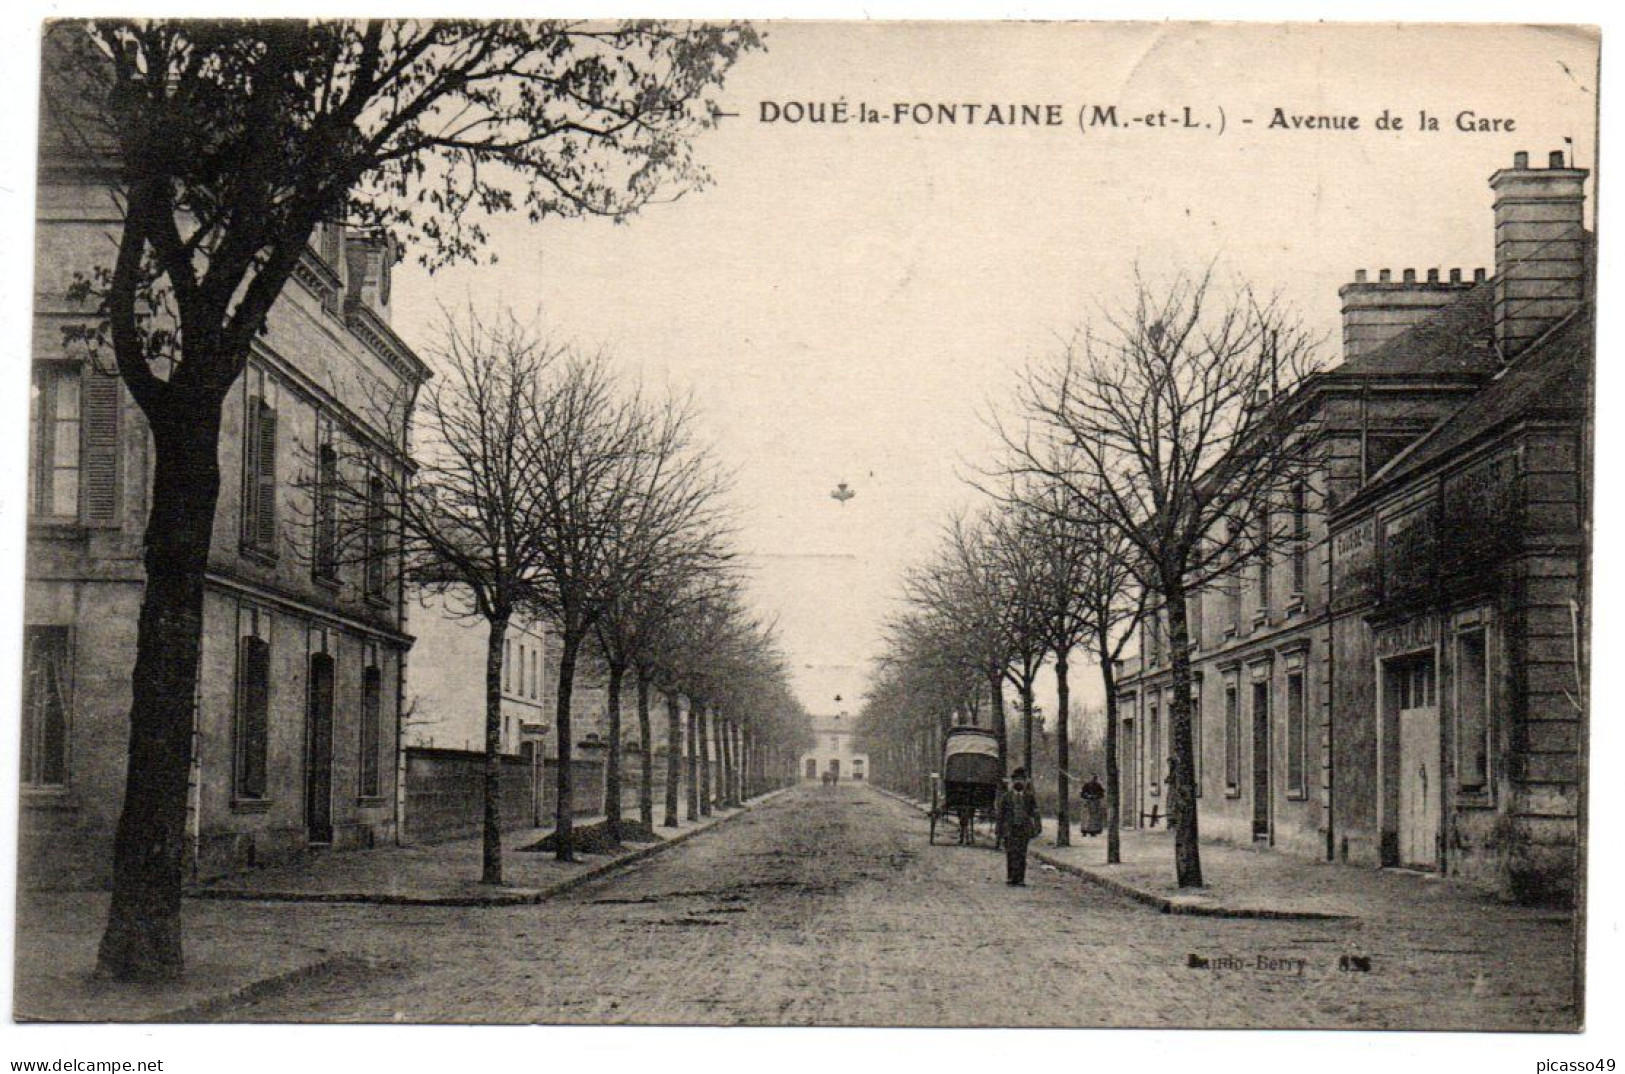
x=1460, y=574
x=833, y=750
x=1453, y=420
x=296, y=729
x=445, y=684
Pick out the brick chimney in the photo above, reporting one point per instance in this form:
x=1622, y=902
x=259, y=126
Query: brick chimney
x=1540, y=248
x=1376, y=311
x=369, y=258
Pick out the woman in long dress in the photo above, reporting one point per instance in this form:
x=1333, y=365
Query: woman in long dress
x=1094, y=806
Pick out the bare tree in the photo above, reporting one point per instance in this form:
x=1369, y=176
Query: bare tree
x=675, y=535
x=960, y=589
x=1057, y=560
x=1171, y=422
x=587, y=474
x=1019, y=563
x=226, y=144
x=470, y=520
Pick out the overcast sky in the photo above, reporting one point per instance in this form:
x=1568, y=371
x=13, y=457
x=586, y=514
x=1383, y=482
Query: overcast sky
x=846, y=302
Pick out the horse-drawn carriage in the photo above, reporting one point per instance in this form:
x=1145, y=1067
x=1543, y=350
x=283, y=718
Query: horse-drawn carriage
x=967, y=788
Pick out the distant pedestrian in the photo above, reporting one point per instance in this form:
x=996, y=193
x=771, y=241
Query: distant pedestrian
x=1020, y=823
x=1094, y=806
x=825, y=778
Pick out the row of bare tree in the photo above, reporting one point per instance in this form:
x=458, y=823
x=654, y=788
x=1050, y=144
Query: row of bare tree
x=544, y=488
x=1152, y=457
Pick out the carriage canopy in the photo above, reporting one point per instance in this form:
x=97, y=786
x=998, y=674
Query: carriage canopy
x=971, y=755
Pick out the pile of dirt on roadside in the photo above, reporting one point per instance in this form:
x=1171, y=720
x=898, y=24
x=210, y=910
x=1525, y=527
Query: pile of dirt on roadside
x=595, y=839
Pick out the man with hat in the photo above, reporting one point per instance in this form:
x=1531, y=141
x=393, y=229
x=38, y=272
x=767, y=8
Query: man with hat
x=1020, y=823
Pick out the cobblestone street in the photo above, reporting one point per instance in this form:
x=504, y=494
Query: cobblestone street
x=828, y=907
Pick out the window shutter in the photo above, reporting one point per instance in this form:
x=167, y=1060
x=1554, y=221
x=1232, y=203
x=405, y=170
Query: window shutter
x=99, y=448
x=254, y=725
x=265, y=480
x=251, y=468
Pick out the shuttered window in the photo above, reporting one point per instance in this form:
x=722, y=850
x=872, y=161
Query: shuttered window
x=253, y=705
x=372, y=698
x=259, y=461
x=47, y=659
x=1297, y=736
x=1232, y=738
x=326, y=537
x=1300, y=538
x=73, y=423
x=1196, y=729
x=377, y=532
x=100, y=449
x=1264, y=535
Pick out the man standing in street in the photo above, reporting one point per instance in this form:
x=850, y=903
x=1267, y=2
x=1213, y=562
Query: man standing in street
x=1019, y=821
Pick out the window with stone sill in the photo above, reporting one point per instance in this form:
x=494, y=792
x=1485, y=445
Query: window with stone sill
x=1297, y=735
x=372, y=694
x=1232, y=739
x=259, y=506
x=73, y=426
x=251, y=728
x=47, y=674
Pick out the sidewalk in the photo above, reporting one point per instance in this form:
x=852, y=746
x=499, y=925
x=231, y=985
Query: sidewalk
x=57, y=936
x=1247, y=883
x=447, y=874
x=58, y=931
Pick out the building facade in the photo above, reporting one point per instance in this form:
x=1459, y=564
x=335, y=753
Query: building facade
x=296, y=730
x=445, y=684
x=1425, y=594
x=833, y=751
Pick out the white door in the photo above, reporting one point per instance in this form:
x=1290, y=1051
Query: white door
x=1419, y=779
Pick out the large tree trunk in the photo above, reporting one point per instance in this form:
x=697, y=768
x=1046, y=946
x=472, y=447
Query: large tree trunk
x=705, y=760
x=1182, y=798
x=646, y=764
x=674, y=759
x=693, y=760
x=143, y=936
x=491, y=820
x=564, y=808
x=1114, y=804
x=612, y=758
x=1063, y=753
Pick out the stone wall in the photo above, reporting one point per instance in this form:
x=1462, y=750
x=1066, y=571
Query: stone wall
x=445, y=792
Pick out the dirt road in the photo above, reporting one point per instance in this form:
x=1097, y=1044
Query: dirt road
x=828, y=907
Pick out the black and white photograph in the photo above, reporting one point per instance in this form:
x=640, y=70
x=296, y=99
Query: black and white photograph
x=744, y=522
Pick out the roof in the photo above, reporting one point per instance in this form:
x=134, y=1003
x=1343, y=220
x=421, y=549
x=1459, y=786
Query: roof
x=1549, y=378
x=1459, y=338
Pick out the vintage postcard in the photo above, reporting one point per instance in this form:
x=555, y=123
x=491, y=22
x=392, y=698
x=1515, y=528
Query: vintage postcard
x=767, y=523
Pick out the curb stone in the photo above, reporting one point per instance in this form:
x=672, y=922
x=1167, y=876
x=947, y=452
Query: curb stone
x=265, y=988
x=1162, y=903
x=202, y=1009
x=522, y=897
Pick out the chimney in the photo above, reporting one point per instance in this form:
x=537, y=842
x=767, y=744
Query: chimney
x=369, y=259
x=1540, y=248
x=1375, y=312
